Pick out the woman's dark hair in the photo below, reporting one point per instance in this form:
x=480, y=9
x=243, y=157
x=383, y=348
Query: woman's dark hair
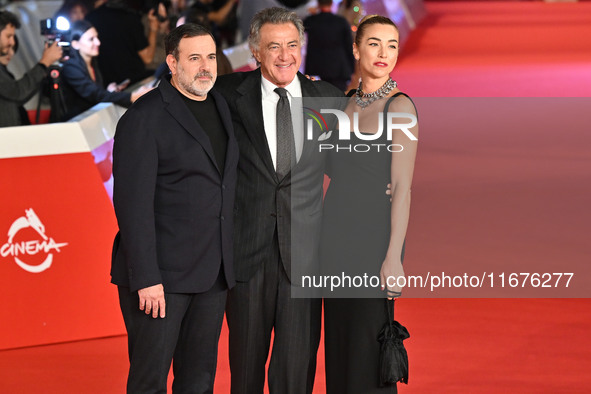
x=372, y=20
x=79, y=28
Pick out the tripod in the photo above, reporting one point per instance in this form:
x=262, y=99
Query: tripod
x=52, y=88
x=56, y=97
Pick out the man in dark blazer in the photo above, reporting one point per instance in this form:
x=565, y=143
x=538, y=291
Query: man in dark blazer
x=174, y=162
x=273, y=210
x=330, y=46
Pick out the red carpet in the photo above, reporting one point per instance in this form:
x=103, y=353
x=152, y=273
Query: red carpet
x=509, y=201
x=516, y=49
x=457, y=346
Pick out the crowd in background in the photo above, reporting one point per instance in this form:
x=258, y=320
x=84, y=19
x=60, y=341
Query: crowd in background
x=115, y=43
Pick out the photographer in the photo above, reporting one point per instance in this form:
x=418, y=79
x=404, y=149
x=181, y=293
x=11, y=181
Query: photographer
x=14, y=93
x=4, y=60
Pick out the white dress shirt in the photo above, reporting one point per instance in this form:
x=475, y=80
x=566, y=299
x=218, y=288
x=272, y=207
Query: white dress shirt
x=270, y=100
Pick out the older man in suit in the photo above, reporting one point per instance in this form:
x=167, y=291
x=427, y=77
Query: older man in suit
x=175, y=159
x=275, y=160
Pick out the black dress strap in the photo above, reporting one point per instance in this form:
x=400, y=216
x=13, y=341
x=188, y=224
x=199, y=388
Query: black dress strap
x=396, y=95
x=391, y=99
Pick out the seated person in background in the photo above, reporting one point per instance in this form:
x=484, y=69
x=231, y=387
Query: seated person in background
x=83, y=83
x=217, y=12
x=14, y=93
x=74, y=10
x=164, y=7
x=127, y=51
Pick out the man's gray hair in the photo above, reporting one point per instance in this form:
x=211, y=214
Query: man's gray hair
x=275, y=16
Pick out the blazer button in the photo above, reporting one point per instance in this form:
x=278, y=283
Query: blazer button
x=222, y=217
x=223, y=187
x=274, y=215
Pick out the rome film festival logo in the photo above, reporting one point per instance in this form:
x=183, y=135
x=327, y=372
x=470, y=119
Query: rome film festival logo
x=25, y=250
x=344, y=127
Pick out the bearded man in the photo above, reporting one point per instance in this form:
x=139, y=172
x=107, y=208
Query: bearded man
x=174, y=162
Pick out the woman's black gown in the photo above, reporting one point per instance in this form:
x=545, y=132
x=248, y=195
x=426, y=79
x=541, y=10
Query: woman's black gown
x=355, y=237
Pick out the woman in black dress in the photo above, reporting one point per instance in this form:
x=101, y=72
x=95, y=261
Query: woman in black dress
x=363, y=232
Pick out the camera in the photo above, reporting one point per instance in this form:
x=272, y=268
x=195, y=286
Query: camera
x=57, y=30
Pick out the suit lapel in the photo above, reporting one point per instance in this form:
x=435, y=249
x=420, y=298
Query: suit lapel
x=232, y=147
x=249, y=106
x=308, y=90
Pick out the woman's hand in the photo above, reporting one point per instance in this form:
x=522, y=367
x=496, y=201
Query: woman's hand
x=390, y=275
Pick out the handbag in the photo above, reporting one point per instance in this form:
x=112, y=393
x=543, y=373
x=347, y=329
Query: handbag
x=393, y=361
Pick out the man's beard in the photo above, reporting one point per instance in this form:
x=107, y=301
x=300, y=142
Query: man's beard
x=189, y=87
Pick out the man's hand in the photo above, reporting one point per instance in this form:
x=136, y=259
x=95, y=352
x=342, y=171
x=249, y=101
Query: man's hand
x=152, y=300
x=51, y=54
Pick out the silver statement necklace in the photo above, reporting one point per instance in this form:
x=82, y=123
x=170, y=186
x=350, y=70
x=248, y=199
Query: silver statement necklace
x=364, y=99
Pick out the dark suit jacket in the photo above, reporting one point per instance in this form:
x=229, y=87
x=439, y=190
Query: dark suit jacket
x=173, y=207
x=293, y=205
x=81, y=92
x=330, y=46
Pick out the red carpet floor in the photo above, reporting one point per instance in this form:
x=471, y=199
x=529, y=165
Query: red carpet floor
x=512, y=202
x=457, y=346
